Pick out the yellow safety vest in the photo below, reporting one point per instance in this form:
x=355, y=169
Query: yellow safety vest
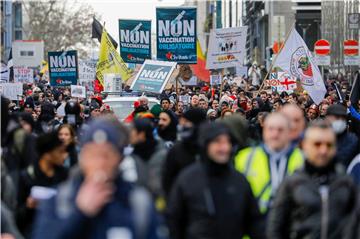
x=254, y=164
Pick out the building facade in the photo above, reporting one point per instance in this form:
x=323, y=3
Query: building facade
x=11, y=25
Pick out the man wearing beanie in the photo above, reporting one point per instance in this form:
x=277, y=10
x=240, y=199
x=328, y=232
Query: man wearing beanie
x=184, y=152
x=47, y=171
x=95, y=202
x=209, y=198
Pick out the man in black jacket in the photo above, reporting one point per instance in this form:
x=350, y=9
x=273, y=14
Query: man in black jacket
x=184, y=152
x=209, y=198
x=317, y=201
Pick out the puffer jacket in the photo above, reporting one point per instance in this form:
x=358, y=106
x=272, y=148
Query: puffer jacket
x=313, y=203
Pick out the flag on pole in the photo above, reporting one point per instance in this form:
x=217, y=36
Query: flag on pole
x=96, y=32
x=355, y=97
x=199, y=68
x=355, y=91
x=296, y=60
x=110, y=61
x=10, y=65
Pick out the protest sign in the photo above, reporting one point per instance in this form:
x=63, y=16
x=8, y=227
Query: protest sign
x=87, y=70
x=281, y=81
x=23, y=75
x=11, y=90
x=153, y=76
x=78, y=91
x=226, y=47
x=215, y=80
x=176, y=34
x=186, y=99
x=63, y=68
x=135, y=40
x=112, y=83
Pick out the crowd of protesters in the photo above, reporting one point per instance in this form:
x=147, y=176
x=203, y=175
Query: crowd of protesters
x=231, y=161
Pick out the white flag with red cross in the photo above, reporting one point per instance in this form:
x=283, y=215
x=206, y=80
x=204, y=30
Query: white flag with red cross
x=295, y=59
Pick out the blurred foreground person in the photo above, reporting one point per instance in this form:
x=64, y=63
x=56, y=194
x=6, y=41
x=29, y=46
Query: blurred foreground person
x=95, y=202
x=219, y=203
x=317, y=201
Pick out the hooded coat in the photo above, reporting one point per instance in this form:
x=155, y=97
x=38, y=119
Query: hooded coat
x=218, y=204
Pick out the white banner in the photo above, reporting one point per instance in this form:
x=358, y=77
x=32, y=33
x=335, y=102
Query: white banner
x=87, y=70
x=23, y=75
x=11, y=90
x=296, y=60
x=78, y=91
x=226, y=47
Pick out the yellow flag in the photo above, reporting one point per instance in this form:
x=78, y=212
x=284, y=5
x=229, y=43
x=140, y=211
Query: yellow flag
x=110, y=60
x=45, y=67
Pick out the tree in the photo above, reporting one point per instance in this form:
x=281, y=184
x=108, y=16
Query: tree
x=62, y=25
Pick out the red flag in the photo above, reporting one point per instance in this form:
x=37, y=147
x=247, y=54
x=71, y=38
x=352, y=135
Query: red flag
x=199, y=69
x=98, y=88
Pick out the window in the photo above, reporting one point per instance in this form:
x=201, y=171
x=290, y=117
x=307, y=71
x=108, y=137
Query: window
x=26, y=53
x=18, y=35
x=18, y=15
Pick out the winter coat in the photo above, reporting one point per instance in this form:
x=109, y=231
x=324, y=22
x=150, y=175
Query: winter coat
x=181, y=155
x=207, y=204
x=312, y=205
x=347, y=146
x=59, y=217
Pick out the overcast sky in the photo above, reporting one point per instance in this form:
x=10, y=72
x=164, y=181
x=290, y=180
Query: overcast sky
x=113, y=10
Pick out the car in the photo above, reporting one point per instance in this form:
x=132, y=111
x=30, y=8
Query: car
x=123, y=105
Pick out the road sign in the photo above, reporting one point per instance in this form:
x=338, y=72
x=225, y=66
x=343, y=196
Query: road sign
x=322, y=47
x=351, y=53
x=354, y=21
x=351, y=47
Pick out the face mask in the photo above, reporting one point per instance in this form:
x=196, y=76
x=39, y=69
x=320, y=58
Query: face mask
x=184, y=132
x=339, y=126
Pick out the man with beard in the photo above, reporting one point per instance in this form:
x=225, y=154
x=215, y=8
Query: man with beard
x=167, y=127
x=209, y=198
x=185, y=151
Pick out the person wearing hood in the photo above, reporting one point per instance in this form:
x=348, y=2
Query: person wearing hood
x=47, y=121
x=219, y=203
x=185, y=151
x=167, y=127
x=347, y=142
x=147, y=158
x=318, y=200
